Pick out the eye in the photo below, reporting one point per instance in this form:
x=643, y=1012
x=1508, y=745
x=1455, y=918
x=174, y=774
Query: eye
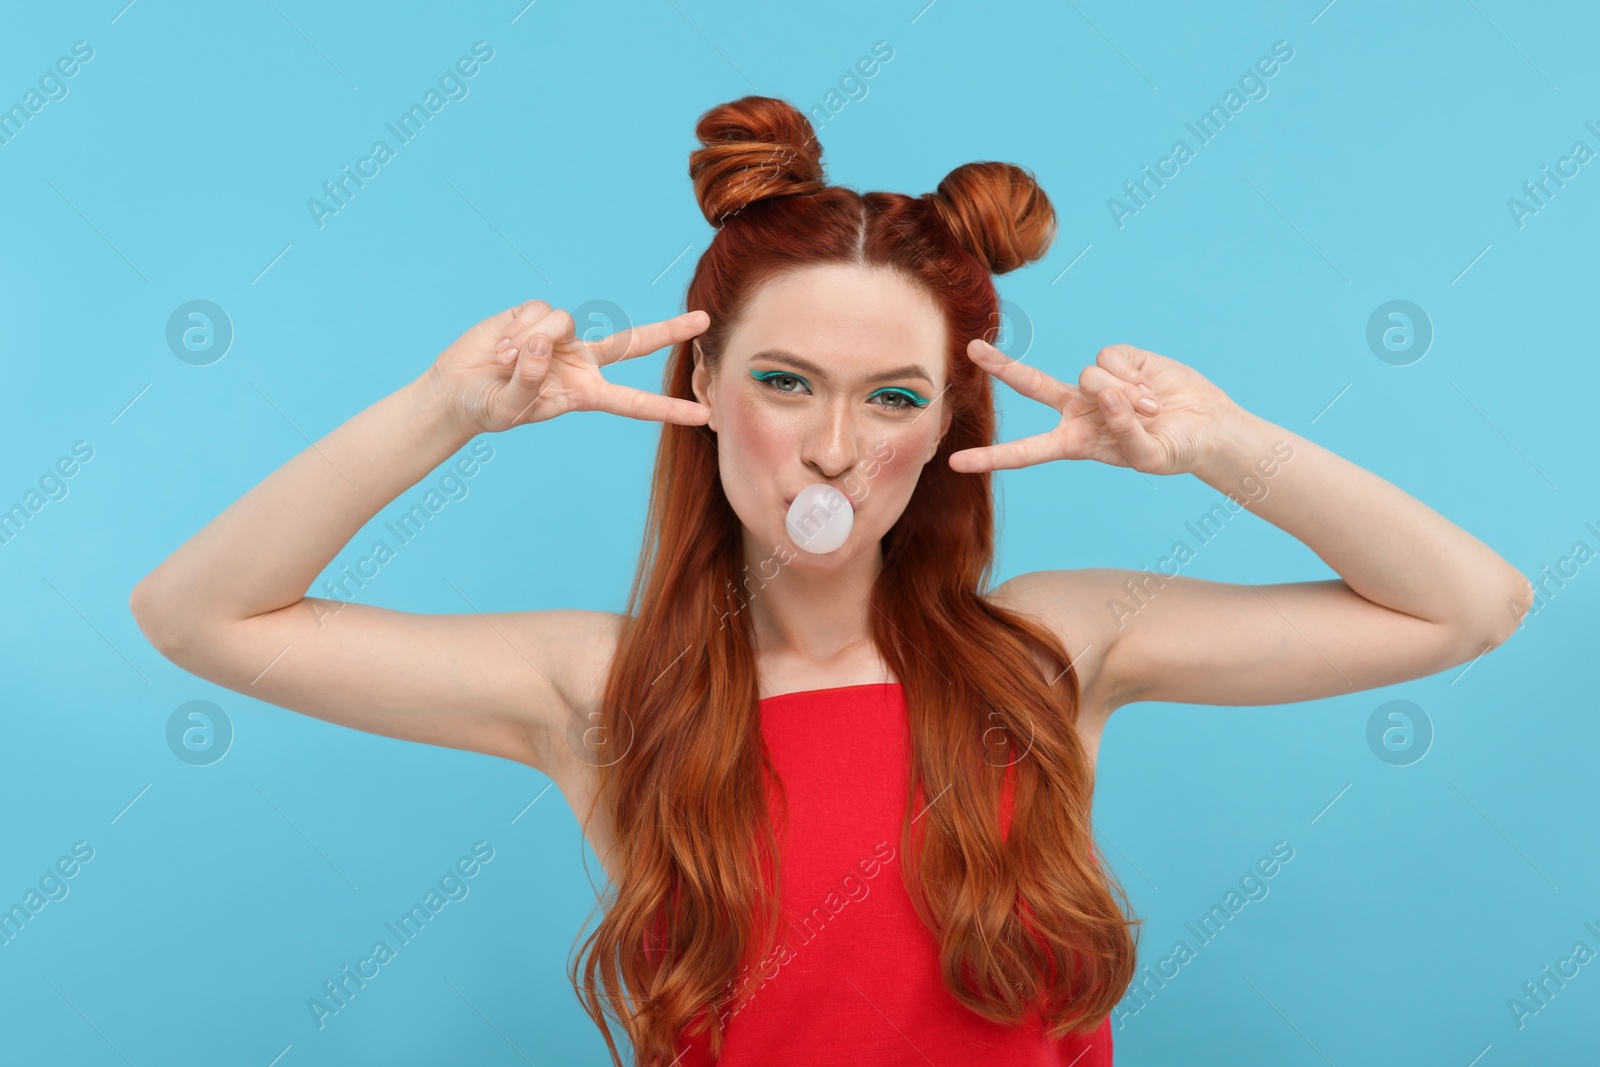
x=903, y=399
x=779, y=377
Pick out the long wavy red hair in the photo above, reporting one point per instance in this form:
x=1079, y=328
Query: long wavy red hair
x=1031, y=919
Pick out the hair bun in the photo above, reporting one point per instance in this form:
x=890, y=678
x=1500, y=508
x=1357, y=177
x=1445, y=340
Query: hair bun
x=755, y=147
x=998, y=212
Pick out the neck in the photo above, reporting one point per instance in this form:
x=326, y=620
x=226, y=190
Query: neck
x=811, y=608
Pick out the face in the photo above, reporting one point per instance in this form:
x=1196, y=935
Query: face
x=834, y=374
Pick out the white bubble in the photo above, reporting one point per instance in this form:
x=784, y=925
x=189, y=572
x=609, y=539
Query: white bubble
x=820, y=518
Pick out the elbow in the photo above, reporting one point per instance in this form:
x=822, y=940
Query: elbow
x=139, y=606
x=154, y=619
x=1504, y=616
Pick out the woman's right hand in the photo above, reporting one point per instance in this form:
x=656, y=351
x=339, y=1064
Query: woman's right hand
x=526, y=364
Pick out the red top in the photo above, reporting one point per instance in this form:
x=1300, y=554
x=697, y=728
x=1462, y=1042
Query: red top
x=854, y=977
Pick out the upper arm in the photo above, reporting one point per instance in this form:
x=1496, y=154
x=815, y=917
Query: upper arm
x=1193, y=641
x=499, y=683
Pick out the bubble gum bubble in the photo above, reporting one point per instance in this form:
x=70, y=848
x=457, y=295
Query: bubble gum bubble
x=820, y=518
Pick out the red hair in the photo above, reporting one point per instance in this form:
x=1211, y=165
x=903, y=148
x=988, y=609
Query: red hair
x=1028, y=920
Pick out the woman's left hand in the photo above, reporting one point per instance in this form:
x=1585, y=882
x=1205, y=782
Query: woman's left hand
x=1101, y=418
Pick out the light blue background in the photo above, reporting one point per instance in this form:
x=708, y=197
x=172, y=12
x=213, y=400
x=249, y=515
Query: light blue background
x=1377, y=168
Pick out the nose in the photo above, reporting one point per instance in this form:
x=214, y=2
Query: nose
x=830, y=444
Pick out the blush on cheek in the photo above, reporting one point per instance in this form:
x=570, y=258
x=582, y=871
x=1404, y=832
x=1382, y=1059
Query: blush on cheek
x=756, y=444
x=748, y=434
x=902, y=469
x=895, y=460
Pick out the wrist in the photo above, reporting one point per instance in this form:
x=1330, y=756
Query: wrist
x=1242, y=442
x=428, y=401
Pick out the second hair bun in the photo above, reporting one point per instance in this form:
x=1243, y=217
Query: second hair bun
x=998, y=212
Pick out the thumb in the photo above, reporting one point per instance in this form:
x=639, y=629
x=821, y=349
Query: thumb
x=528, y=379
x=533, y=363
x=1127, y=432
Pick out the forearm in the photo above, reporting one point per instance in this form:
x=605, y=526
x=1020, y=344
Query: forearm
x=265, y=550
x=1386, y=545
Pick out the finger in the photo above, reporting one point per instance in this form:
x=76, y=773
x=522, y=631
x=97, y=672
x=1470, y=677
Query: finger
x=1028, y=380
x=556, y=325
x=518, y=319
x=538, y=335
x=1128, y=434
x=528, y=377
x=1095, y=380
x=532, y=310
x=1128, y=363
x=641, y=404
x=1008, y=455
x=533, y=363
x=642, y=340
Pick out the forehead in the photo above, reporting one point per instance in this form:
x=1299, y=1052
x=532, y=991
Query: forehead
x=857, y=319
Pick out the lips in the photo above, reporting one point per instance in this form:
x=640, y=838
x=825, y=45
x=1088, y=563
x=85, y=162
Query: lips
x=788, y=501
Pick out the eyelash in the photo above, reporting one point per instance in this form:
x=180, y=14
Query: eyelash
x=913, y=400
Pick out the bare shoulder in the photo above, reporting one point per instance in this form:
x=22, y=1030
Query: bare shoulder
x=1073, y=605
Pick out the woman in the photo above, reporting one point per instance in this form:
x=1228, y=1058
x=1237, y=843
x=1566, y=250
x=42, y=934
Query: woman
x=843, y=797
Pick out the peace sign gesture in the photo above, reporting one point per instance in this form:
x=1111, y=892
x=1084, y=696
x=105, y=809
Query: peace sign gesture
x=1131, y=408
x=526, y=364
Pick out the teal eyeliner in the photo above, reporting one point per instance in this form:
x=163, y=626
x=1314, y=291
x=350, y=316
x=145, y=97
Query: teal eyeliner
x=916, y=399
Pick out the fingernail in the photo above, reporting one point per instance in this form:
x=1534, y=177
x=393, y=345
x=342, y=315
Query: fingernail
x=503, y=342
x=1146, y=405
x=1146, y=387
x=1113, y=401
x=509, y=356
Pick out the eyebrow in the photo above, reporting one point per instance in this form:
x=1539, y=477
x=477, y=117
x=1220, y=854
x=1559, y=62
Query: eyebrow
x=778, y=355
